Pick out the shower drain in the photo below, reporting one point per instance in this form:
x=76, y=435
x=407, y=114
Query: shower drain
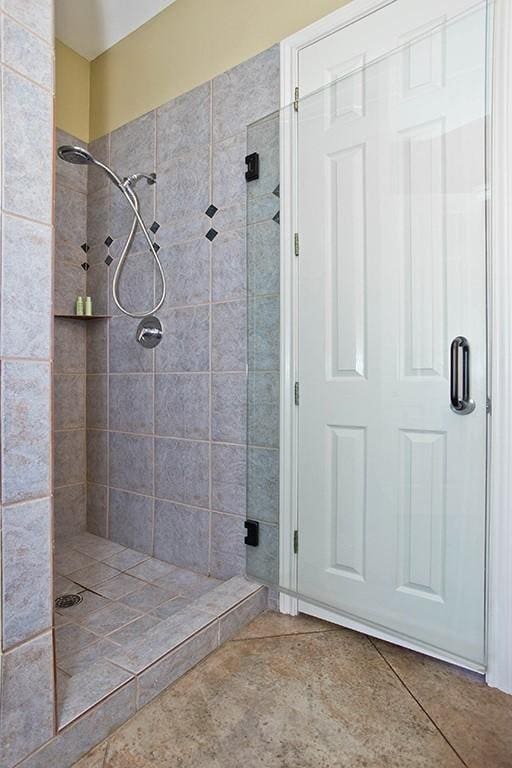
x=67, y=601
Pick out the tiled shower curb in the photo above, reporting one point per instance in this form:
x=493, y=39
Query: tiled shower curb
x=168, y=651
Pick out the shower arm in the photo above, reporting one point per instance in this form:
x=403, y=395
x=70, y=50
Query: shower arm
x=128, y=192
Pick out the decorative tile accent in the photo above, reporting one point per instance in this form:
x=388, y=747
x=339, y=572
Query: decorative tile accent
x=155, y=227
x=108, y=241
x=211, y=211
x=276, y=191
x=277, y=217
x=109, y=260
x=85, y=266
x=211, y=234
x=85, y=248
x=156, y=247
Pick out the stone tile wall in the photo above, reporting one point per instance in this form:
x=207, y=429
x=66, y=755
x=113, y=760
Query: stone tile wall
x=70, y=345
x=26, y=658
x=166, y=438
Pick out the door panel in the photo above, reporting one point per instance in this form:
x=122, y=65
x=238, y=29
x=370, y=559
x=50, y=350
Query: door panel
x=391, y=172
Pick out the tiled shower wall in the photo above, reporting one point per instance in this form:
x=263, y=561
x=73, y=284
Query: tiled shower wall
x=69, y=375
x=166, y=439
x=26, y=686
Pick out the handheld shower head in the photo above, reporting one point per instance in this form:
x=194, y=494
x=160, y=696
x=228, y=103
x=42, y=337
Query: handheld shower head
x=81, y=156
x=75, y=155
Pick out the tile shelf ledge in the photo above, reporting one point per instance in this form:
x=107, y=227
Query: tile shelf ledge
x=83, y=317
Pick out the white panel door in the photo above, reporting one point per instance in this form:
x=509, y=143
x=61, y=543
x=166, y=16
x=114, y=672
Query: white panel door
x=391, y=209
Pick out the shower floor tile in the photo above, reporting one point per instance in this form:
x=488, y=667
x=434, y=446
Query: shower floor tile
x=119, y=595
x=120, y=586
x=126, y=559
x=128, y=600
x=151, y=569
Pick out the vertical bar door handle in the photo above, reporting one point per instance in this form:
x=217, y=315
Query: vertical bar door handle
x=460, y=397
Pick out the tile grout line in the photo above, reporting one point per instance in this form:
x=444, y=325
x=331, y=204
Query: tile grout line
x=420, y=705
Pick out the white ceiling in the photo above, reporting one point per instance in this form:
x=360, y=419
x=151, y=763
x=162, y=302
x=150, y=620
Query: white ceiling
x=92, y=26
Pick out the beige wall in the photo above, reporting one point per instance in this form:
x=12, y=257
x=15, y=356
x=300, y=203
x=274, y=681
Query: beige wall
x=185, y=45
x=72, y=76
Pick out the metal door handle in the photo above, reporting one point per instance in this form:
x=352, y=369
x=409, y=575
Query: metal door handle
x=460, y=400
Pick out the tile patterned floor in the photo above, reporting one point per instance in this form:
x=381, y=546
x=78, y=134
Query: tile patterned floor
x=301, y=693
x=124, y=594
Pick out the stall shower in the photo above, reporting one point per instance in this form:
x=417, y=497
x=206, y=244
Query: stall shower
x=154, y=433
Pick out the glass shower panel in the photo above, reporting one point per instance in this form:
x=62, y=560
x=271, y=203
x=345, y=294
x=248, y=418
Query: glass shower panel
x=263, y=340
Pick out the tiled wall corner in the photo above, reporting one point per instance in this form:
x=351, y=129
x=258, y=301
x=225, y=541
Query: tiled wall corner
x=71, y=263
x=26, y=657
x=170, y=478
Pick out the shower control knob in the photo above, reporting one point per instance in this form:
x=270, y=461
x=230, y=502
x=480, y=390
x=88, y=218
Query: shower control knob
x=149, y=332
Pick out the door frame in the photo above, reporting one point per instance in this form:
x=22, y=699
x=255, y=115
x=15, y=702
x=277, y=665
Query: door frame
x=499, y=299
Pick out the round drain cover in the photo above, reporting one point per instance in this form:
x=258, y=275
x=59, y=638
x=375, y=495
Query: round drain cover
x=66, y=601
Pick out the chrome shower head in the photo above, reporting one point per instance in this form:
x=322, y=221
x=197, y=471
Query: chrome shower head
x=75, y=155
